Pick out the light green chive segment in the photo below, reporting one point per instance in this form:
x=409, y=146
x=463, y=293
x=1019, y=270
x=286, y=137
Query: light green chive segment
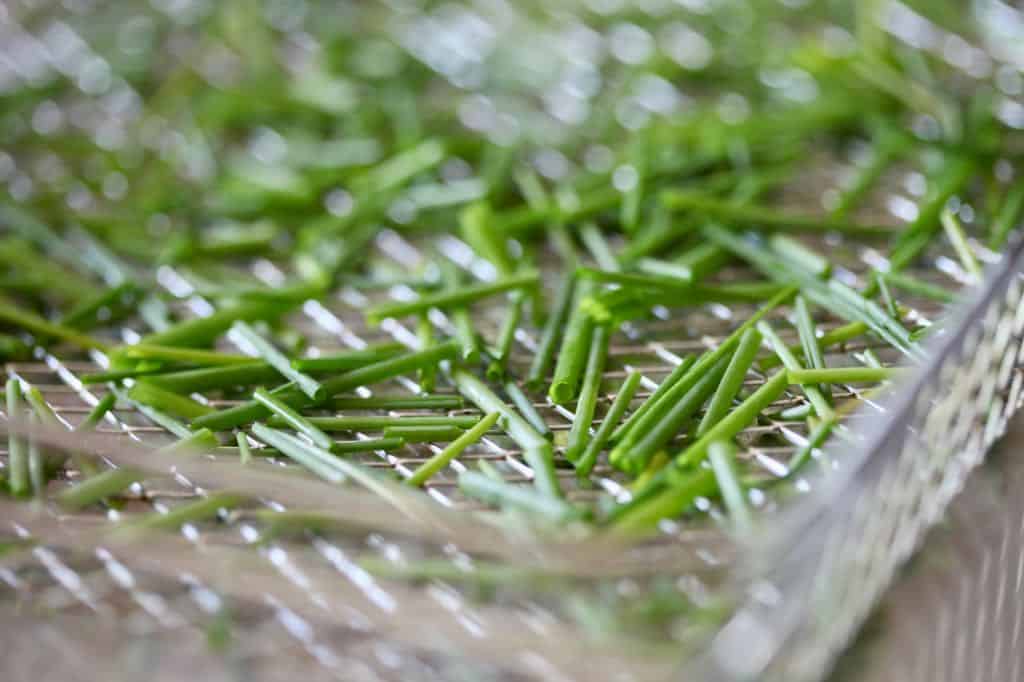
x=17, y=457
x=789, y=361
x=276, y=359
x=722, y=456
x=99, y=487
x=292, y=418
x=426, y=470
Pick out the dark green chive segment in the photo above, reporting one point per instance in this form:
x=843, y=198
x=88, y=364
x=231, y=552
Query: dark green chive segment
x=588, y=459
x=732, y=380
x=461, y=297
x=98, y=488
x=313, y=389
x=543, y=357
x=344, y=362
x=572, y=356
x=443, y=458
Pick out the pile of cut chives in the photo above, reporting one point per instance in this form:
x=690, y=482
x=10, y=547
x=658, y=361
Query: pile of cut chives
x=574, y=234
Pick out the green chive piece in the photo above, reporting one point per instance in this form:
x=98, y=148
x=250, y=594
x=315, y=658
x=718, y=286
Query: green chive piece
x=197, y=442
x=424, y=434
x=579, y=434
x=844, y=375
x=886, y=295
x=376, y=423
x=465, y=333
x=503, y=346
x=598, y=247
x=292, y=418
x=344, y=362
x=1006, y=220
x=153, y=414
x=97, y=413
x=165, y=401
x=215, y=378
x=677, y=373
x=955, y=234
x=347, y=447
x=794, y=252
x=244, y=451
x=525, y=406
x=722, y=456
x=586, y=462
x=191, y=356
x=17, y=454
x=276, y=359
x=99, y=487
x=537, y=451
x=919, y=287
x=814, y=441
x=442, y=459
x=41, y=408
x=44, y=329
x=732, y=380
x=789, y=361
x=117, y=375
x=425, y=335
x=312, y=458
x=36, y=462
x=364, y=376
x=572, y=355
x=667, y=504
x=500, y=494
x=451, y=299
x=544, y=356
x=397, y=402
x=203, y=331
x=193, y=512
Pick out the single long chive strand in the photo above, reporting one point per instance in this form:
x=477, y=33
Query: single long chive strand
x=190, y=356
x=809, y=340
x=364, y=376
x=292, y=418
x=722, y=457
x=789, y=361
x=143, y=369
x=196, y=442
x=503, y=347
x=598, y=247
x=295, y=449
x=442, y=459
x=677, y=373
x=844, y=375
x=98, y=487
x=1006, y=219
x=166, y=401
x=276, y=359
x=425, y=335
x=579, y=434
x=955, y=234
x=666, y=420
x=918, y=287
x=17, y=453
x=203, y=331
x=837, y=336
x=543, y=357
x=97, y=413
x=424, y=434
x=537, y=451
x=572, y=354
x=158, y=417
x=376, y=422
x=462, y=297
x=586, y=462
x=732, y=380
x=244, y=451
x=397, y=402
x=343, y=362
x=42, y=408
x=215, y=378
x=525, y=406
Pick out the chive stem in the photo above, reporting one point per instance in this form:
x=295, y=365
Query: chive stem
x=442, y=459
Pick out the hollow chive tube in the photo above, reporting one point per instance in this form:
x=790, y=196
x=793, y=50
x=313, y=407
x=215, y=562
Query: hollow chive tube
x=376, y=423
x=722, y=457
x=789, y=361
x=545, y=353
x=276, y=359
x=97, y=413
x=346, y=447
x=677, y=373
x=525, y=406
x=292, y=418
x=343, y=362
x=397, y=402
x=442, y=459
x=199, y=441
x=17, y=449
x=314, y=459
x=452, y=299
x=425, y=334
x=364, y=376
x=572, y=355
x=424, y=434
x=537, y=451
x=215, y=378
x=583, y=418
x=99, y=487
x=203, y=331
x=732, y=380
x=190, y=356
x=44, y=329
x=41, y=408
x=666, y=419
x=588, y=459
x=792, y=251
x=844, y=375
x=166, y=401
x=120, y=375
x=500, y=494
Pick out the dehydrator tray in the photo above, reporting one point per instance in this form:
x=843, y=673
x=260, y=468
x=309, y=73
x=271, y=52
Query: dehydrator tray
x=207, y=566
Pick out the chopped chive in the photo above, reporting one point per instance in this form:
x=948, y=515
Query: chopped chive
x=41, y=408
x=1006, y=220
x=955, y=234
x=919, y=287
x=503, y=347
x=544, y=355
x=424, y=434
x=588, y=459
x=203, y=331
x=97, y=413
x=317, y=461
x=598, y=247
x=732, y=380
x=691, y=267
x=102, y=307
x=276, y=359
x=244, y=451
x=156, y=416
x=572, y=355
x=364, y=376
x=397, y=402
x=525, y=406
x=292, y=418
x=191, y=356
x=344, y=362
x=425, y=335
x=165, y=401
x=843, y=375
x=440, y=460
x=579, y=434
x=886, y=295
x=196, y=442
x=722, y=456
x=44, y=329
x=465, y=333
x=789, y=361
x=451, y=299
x=36, y=462
x=537, y=451
x=667, y=504
x=117, y=375
x=677, y=373
x=192, y=512
x=794, y=252
x=500, y=494
x=215, y=378
x=346, y=447
x=376, y=423
x=814, y=441
x=17, y=455
x=99, y=487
